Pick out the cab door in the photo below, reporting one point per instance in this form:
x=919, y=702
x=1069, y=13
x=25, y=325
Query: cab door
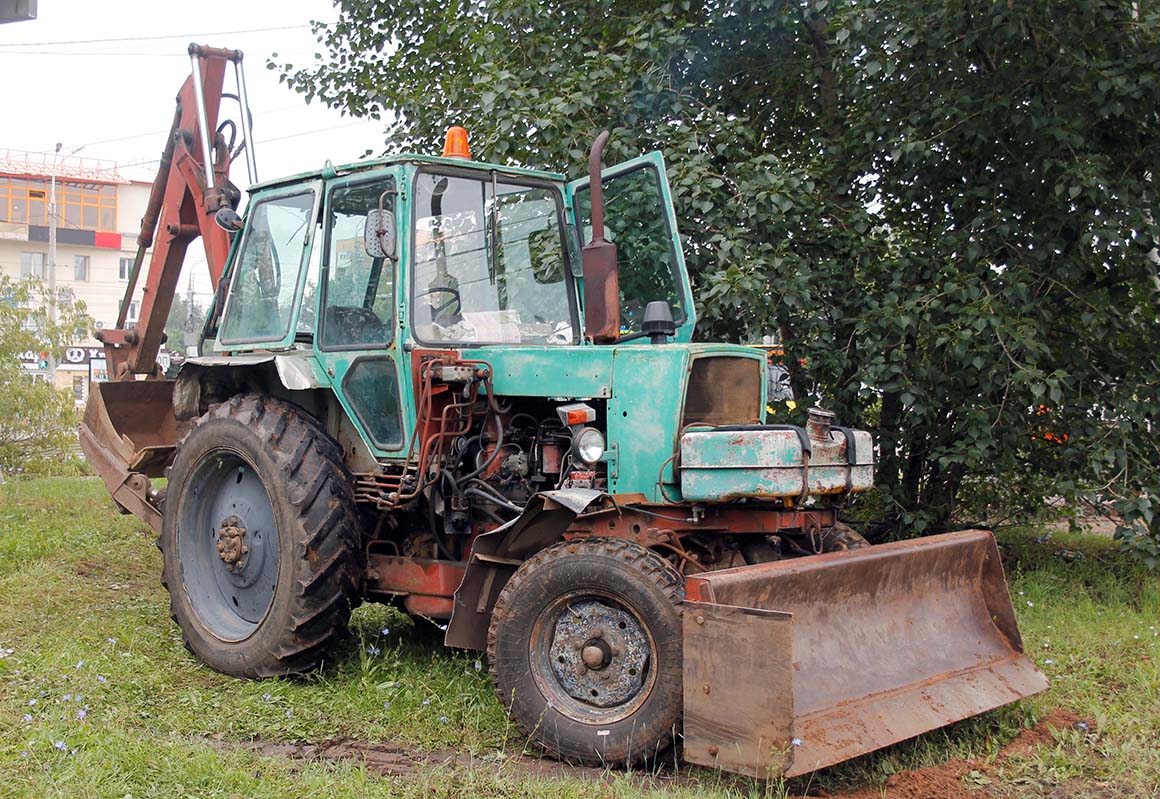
x=358, y=301
x=639, y=219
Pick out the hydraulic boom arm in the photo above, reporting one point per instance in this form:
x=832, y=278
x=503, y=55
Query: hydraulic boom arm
x=191, y=186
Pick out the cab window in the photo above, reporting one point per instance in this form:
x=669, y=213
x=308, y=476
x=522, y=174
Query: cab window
x=489, y=262
x=273, y=253
x=360, y=290
x=636, y=220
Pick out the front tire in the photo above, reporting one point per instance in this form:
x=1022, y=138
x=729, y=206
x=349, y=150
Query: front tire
x=259, y=539
x=585, y=647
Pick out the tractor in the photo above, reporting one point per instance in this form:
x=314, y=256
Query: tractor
x=471, y=390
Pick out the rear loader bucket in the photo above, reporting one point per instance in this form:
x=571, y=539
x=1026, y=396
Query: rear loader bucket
x=796, y=665
x=129, y=434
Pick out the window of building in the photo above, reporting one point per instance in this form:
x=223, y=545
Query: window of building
x=32, y=265
x=88, y=206
x=125, y=269
x=80, y=267
x=78, y=386
x=131, y=317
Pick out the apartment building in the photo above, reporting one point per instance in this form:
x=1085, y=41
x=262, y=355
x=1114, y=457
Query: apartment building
x=99, y=216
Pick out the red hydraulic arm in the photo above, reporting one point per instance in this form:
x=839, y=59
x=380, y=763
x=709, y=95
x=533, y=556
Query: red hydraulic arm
x=191, y=186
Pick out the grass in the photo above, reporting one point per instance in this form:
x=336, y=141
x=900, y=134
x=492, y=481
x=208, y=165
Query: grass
x=98, y=697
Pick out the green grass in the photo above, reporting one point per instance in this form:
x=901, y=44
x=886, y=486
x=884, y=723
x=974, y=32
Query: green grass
x=83, y=613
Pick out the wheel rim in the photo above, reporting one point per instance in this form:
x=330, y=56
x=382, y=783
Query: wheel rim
x=593, y=657
x=228, y=545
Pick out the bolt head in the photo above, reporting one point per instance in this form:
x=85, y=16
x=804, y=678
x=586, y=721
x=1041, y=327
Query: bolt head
x=593, y=656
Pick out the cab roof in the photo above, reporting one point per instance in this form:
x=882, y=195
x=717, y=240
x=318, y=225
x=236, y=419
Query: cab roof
x=329, y=171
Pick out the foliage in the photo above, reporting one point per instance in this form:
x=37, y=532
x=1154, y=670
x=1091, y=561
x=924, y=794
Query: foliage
x=943, y=209
x=37, y=422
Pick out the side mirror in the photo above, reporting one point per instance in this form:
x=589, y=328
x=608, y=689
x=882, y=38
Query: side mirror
x=379, y=234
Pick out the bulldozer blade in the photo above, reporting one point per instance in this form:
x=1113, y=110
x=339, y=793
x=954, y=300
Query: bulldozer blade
x=129, y=434
x=799, y=664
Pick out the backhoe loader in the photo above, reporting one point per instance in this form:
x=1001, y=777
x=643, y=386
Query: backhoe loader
x=471, y=390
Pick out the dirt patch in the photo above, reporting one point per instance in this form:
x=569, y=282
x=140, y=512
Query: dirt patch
x=403, y=761
x=1042, y=734
x=950, y=780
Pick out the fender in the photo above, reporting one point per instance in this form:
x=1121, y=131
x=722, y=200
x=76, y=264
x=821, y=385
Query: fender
x=496, y=555
x=296, y=370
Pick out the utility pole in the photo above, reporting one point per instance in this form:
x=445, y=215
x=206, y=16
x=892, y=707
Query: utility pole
x=52, y=223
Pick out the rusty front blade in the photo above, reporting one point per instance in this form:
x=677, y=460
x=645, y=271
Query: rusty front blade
x=888, y=642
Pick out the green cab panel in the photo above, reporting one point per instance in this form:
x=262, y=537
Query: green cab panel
x=572, y=372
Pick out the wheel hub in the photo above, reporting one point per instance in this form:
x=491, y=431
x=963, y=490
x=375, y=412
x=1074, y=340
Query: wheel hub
x=230, y=546
x=599, y=653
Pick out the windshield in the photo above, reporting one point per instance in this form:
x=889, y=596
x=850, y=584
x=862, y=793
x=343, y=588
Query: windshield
x=261, y=302
x=489, y=262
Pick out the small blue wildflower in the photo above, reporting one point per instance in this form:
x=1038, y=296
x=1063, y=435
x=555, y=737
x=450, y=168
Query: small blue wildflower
x=77, y=697
x=1081, y=724
x=267, y=697
x=374, y=650
x=80, y=664
x=102, y=678
x=81, y=714
x=60, y=745
x=31, y=702
x=442, y=719
x=110, y=640
x=796, y=742
x=426, y=701
x=24, y=753
x=67, y=697
x=386, y=705
x=27, y=718
x=478, y=666
x=289, y=713
x=386, y=631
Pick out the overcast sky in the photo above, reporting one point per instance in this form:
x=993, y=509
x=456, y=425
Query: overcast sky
x=114, y=99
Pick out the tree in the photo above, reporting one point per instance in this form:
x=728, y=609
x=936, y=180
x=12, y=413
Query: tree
x=37, y=422
x=944, y=209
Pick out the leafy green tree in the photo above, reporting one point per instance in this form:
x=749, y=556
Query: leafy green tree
x=944, y=209
x=37, y=422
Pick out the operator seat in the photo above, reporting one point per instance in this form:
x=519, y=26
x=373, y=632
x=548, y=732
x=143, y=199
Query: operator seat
x=352, y=324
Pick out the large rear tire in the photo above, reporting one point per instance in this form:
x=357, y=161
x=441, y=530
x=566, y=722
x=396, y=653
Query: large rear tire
x=585, y=647
x=259, y=539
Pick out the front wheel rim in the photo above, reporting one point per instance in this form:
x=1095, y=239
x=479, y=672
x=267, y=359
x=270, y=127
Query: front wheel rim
x=228, y=545
x=593, y=657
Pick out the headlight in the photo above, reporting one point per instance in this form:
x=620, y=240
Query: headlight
x=588, y=445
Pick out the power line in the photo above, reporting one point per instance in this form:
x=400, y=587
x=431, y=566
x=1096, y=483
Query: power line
x=256, y=114
x=152, y=38
x=75, y=53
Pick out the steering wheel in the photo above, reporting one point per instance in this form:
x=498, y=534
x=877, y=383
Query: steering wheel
x=437, y=310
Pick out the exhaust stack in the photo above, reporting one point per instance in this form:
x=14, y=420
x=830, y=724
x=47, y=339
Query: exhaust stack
x=601, y=284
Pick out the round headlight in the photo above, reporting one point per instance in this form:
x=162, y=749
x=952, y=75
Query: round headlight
x=588, y=445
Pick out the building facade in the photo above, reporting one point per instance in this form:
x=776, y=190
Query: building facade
x=98, y=218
